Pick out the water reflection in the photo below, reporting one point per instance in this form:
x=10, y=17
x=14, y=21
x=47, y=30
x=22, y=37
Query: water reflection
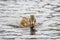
x=32, y=30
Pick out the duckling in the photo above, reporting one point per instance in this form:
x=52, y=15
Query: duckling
x=29, y=22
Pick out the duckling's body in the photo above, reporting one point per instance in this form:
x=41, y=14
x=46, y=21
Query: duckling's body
x=28, y=22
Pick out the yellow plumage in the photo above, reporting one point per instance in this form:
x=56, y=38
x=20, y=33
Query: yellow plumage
x=27, y=22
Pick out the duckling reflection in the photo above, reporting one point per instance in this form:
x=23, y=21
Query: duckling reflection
x=32, y=30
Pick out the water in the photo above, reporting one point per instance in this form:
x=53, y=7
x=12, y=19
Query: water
x=47, y=12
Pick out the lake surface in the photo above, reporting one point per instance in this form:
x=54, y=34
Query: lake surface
x=47, y=12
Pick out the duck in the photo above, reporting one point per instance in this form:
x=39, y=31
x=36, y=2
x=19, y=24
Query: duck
x=28, y=22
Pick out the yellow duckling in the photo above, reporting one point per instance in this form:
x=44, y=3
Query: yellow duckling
x=28, y=22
